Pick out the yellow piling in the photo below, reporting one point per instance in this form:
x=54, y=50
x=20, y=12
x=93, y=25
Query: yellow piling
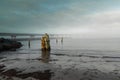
x=45, y=42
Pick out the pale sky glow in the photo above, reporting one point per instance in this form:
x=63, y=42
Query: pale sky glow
x=104, y=24
x=98, y=24
x=89, y=18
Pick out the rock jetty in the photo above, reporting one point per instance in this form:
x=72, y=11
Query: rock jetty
x=7, y=44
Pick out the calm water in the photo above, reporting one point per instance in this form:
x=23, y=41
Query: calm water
x=108, y=47
x=69, y=60
x=79, y=44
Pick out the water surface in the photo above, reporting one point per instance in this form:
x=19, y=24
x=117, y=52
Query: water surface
x=74, y=59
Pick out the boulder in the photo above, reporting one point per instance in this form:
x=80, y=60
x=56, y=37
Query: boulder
x=7, y=44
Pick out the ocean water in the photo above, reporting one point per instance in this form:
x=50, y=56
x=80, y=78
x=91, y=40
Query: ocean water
x=79, y=44
x=92, y=47
x=72, y=59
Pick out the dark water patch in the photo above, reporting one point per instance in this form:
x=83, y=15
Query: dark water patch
x=82, y=55
x=110, y=57
x=54, y=60
x=67, y=55
x=19, y=59
x=91, y=56
x=60, y=54
x=11, y=72
x=1, y=68
x=111, y=61
x=2, y=57
x=86, y=74
x=5, y=60
x=46, y=75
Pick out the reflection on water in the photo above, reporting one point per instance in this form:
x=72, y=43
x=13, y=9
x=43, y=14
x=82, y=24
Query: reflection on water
x=45, y=56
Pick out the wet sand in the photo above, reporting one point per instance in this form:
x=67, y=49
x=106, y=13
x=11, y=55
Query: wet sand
x=32, y=64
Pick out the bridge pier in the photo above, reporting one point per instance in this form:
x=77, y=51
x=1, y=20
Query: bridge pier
x=29, y=41
x=29, y=44
x=31, y=37
x=13, y=37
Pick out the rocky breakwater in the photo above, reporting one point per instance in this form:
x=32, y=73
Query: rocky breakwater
x=7, y=44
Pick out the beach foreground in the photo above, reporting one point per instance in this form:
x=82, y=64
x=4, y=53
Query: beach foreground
x=59, y=66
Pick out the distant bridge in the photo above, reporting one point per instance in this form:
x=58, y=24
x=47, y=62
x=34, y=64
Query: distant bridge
x=32, y=36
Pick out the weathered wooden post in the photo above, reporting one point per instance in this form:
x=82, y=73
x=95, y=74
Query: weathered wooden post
x=45, y=47
x=62, y=40
x=56, y=40
x=29, y=43
x=13, y=37
x=45, y=42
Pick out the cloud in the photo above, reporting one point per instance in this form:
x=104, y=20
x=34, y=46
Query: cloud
x=87, y=18
x=102, y=24
x=29, y=14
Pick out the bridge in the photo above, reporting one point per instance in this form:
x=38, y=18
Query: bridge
x=32, y=36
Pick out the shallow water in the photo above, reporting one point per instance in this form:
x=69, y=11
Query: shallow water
x=73, y=44
x=74, y=59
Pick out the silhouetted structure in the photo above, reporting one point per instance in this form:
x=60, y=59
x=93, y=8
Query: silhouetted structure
x=6, y=44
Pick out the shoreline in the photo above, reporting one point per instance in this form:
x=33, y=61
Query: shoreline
x=18, y=66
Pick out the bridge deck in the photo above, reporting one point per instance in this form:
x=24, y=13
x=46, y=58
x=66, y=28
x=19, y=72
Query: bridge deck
x=28, y=34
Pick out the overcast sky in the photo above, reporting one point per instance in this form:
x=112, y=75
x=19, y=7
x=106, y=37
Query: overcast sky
x=99, y=18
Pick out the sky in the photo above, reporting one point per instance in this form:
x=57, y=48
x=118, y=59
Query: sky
x=88, y=18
